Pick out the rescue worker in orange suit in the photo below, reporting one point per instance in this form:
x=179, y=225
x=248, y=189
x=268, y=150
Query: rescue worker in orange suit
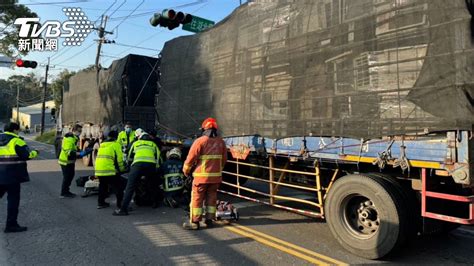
x=205, y=161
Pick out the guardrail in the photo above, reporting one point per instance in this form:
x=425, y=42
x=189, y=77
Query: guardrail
x=275, y=182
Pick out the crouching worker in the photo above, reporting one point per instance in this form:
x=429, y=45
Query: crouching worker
x=108, y=166
x=207, y=157
x=146, y=160
x=173, y=178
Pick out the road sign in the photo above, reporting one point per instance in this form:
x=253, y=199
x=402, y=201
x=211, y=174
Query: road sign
x=198, y=24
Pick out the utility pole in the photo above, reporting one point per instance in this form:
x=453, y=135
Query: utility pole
x=18, y=104
x=43, y=109
x=101, y=33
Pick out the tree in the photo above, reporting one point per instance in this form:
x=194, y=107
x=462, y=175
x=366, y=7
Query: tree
x=9, y=12
x=58, y=85
x=7, y=99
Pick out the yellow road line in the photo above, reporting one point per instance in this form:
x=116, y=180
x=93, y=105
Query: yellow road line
x=276, y=246
x=290, y=245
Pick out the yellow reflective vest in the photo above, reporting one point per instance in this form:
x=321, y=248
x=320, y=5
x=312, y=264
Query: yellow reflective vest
x=144, y=151
x=68, y=153
x=13, y=156
x=124, y=140
x=109, y=160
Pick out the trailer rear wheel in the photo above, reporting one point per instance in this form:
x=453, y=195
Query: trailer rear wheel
x=366, y=216
x=408, y=201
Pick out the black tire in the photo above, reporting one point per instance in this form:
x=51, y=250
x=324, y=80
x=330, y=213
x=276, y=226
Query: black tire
x=366, y=215
x=409, y=202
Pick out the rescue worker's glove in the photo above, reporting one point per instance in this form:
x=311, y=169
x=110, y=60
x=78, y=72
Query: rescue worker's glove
x=82, y=153
x=85, y=152
x=33, y=154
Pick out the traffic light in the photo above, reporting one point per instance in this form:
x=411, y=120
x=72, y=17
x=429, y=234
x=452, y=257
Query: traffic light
x=26, y=63
x=170, y=19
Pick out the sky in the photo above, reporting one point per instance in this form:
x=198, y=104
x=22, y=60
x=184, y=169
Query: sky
x=131, y=28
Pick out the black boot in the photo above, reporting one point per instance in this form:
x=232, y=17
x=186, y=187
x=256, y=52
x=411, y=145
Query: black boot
x=120, y=213
x=15, y=229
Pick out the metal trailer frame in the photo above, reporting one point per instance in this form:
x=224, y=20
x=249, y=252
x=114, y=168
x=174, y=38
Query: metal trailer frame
x=446, y=154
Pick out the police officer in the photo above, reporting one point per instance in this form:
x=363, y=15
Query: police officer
x=108, y=166
x=13, y=156
x=67, y=159
x=145, y=156
x=126, y=137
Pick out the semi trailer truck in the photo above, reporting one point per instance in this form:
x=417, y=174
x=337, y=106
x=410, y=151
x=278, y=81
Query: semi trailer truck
x=356, y=112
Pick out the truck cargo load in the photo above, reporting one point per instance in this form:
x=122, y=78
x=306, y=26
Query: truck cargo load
x=361, y=69
x=111, y=97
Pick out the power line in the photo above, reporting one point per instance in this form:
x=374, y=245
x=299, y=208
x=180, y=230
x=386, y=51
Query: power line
x=162, y=30
x=103, y=13
x=76, y=54
x=124, y=1
x=198, y=2
x=141, y=3
x=137, y=47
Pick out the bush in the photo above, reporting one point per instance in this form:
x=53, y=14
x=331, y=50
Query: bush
x=47, y=137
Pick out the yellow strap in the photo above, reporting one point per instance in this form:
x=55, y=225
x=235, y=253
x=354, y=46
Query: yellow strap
x=138, y=148
x=207, y=174
x=9, y=156
x=171, y=175
x=210, y=157
x=211, y=209
x=110, y=173
x=105, y=157
x=144, y=158
x=197, y=211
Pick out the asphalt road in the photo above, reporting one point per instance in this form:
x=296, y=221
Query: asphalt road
x=73, y=231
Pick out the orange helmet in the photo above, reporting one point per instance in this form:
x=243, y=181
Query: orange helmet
x=209, y=123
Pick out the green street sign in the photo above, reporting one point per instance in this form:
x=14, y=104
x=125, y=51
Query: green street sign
x=198, y=24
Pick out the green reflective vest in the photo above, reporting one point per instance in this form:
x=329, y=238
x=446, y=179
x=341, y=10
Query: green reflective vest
x=109, y=160
x=8, y=154
x=68, y=150
x=13, y=156
x=125, y=141
x=144, y=151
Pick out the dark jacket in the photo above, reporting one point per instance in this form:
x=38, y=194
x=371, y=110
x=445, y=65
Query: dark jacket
x=14, y=173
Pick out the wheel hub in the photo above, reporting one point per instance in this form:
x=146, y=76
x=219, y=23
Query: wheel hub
x=361, y=216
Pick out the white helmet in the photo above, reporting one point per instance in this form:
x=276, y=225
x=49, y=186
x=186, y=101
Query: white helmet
x=175, y=152
x=139, y=133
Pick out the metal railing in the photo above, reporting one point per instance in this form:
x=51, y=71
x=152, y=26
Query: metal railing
x=275, y=182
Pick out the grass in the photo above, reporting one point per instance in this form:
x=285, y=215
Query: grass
x=47, y=137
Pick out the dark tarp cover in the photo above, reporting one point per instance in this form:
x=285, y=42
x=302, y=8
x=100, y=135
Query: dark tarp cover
x=364, y=69
x=120, y=85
